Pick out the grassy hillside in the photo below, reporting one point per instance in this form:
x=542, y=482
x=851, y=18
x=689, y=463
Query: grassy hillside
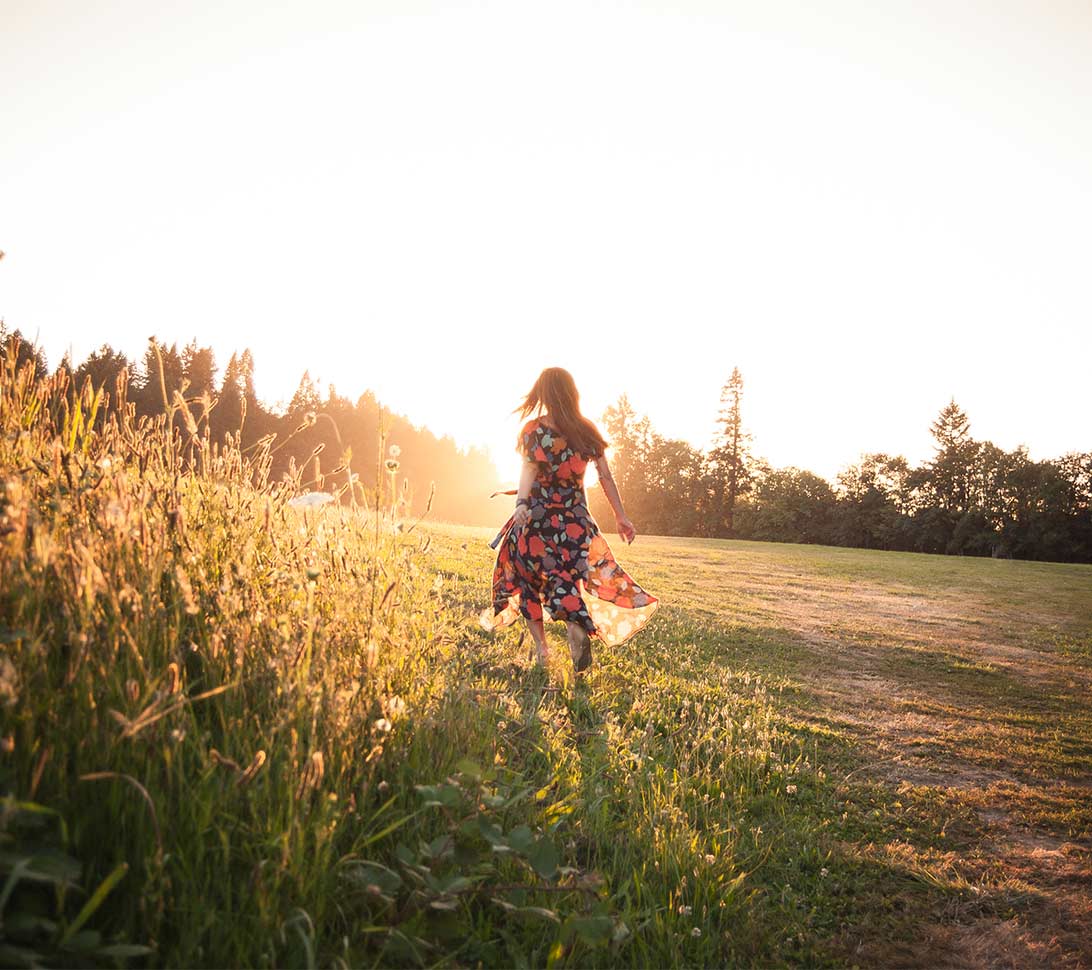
x=238, y=733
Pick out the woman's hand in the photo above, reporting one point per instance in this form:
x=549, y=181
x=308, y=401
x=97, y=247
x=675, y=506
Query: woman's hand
x=521, y=516
x=626, y=529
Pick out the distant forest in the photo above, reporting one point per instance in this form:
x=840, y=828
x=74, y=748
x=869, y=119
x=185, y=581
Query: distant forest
x=318, y=433
x=972, y=498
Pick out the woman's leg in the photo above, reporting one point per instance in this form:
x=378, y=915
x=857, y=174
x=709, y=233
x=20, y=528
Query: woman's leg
x=579, y=646
x=538, y=635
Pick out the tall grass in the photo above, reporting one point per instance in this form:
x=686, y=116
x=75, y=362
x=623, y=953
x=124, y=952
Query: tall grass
x=238, y=733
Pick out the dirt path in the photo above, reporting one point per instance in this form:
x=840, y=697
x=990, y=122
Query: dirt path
x=926, y=729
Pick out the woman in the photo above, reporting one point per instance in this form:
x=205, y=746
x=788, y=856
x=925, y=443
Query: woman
x=551, y=552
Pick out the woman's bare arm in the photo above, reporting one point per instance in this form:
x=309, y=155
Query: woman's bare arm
x=606, y=480
x=523, y=495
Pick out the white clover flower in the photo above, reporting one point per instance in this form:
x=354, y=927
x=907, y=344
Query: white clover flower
x=686, y=910
x=824, y=872
x=790, y=789
x=695, y=932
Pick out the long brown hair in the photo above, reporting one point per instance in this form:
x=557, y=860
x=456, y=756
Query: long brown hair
x=555, y=391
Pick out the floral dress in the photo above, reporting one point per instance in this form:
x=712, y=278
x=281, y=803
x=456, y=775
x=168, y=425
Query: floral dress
x=559, y=560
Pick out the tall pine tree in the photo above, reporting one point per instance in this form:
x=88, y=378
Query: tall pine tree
x=730, y=457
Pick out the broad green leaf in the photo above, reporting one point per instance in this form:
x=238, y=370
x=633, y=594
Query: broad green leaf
x=521, y=839
x=593, y=930
x=374, y=874
x=544, y=858
x=469, y=769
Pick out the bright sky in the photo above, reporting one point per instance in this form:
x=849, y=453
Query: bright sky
x=867, y=206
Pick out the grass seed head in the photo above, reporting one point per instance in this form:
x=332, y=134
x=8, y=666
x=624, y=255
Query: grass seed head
x=252, y=770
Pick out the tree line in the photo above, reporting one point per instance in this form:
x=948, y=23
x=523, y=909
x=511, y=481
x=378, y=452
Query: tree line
x=970, y=498
x=318, y=439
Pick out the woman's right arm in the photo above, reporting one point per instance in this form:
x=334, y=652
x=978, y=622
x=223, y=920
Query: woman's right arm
x=523, y=495
x=606, y=480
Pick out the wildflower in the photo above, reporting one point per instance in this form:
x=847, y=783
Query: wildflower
x=824, y=872
x=710, y=858
x=790, y=789
x=502, y=725
x=310, y=500
x=695, y=932
x=395, y=706
x=114, y=514
x=383, y=725
x=383, y=787
x=394, y=451
x=178, y=735
x=686, y=910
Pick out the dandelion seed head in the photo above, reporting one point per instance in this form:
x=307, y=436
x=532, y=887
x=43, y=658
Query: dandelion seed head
x=394, y=451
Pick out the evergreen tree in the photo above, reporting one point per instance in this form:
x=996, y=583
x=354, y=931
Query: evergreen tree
x=13, y=343
x=729, y=458
x=199, y=370
x=950, y=471
x=161, y=375
x=108, y=370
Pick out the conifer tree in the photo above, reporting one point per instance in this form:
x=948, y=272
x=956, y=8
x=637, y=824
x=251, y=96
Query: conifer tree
x=730, y=457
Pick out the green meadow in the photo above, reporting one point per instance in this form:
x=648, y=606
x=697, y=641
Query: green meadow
x=238, y=733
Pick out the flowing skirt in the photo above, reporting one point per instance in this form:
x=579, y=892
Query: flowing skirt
x=560, y=564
